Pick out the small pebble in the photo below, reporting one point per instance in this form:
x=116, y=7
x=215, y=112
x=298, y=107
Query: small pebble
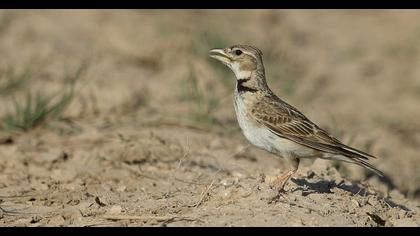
x=121, y=188
x=238, y=175
x=226, y=194
x=56, y=221
x=227, y=182
x=372, y=201
x=115, y=210
x=355, y=202
x=395, y=194
x=69, y=186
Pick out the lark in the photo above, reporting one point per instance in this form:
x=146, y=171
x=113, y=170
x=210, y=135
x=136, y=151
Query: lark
x=273, y=125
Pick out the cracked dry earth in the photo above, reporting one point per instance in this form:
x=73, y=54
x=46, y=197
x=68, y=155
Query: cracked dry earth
x=132, y=175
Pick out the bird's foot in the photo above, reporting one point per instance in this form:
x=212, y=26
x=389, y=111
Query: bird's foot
x=279, y=197
x=279, y=183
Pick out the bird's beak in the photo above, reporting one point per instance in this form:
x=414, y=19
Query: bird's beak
x=220, y=55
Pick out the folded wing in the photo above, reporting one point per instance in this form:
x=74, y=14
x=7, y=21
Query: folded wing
x=287, y=122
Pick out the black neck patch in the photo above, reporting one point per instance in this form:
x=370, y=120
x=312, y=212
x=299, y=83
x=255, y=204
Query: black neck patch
x=241, y=88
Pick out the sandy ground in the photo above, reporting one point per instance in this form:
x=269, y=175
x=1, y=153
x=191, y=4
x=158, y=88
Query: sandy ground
x=150, y=137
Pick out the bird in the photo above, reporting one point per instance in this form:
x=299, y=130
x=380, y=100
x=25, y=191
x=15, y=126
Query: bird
x=272, y=124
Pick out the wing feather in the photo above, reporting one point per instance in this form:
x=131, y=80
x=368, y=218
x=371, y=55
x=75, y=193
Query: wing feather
x=287, y=122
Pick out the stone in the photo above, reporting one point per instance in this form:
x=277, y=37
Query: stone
x=227, y=182
x=395, y=194
x=115, y=210
x=56, y=221
x=121, y=188
x=355, y=202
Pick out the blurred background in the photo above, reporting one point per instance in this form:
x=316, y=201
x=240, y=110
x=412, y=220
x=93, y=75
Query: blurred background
x=354, y=72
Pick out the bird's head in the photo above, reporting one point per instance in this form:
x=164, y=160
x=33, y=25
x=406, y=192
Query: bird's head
x=243, y=60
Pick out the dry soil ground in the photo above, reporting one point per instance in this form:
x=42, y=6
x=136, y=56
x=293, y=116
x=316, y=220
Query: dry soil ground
x=150, y=137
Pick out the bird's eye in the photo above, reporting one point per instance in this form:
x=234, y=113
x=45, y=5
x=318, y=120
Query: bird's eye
x=238, y=52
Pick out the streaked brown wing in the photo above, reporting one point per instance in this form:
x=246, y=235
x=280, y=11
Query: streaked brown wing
x=287, y=122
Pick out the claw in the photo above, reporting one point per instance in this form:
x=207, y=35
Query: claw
x=281, y=194
x=279, y=183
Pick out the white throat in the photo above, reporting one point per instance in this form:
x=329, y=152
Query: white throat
x=240, y=74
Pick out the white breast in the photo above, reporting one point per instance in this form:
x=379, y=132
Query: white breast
x=262, y=137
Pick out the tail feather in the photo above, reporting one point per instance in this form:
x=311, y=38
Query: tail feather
x=338, y=151
x=360, y=158
x=369, y=166
x=363, y=155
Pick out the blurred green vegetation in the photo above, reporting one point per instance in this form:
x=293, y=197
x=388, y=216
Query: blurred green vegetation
x=11, y=81
x=35, y=110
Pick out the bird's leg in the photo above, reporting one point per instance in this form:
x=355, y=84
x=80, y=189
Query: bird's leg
x=281, y=180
